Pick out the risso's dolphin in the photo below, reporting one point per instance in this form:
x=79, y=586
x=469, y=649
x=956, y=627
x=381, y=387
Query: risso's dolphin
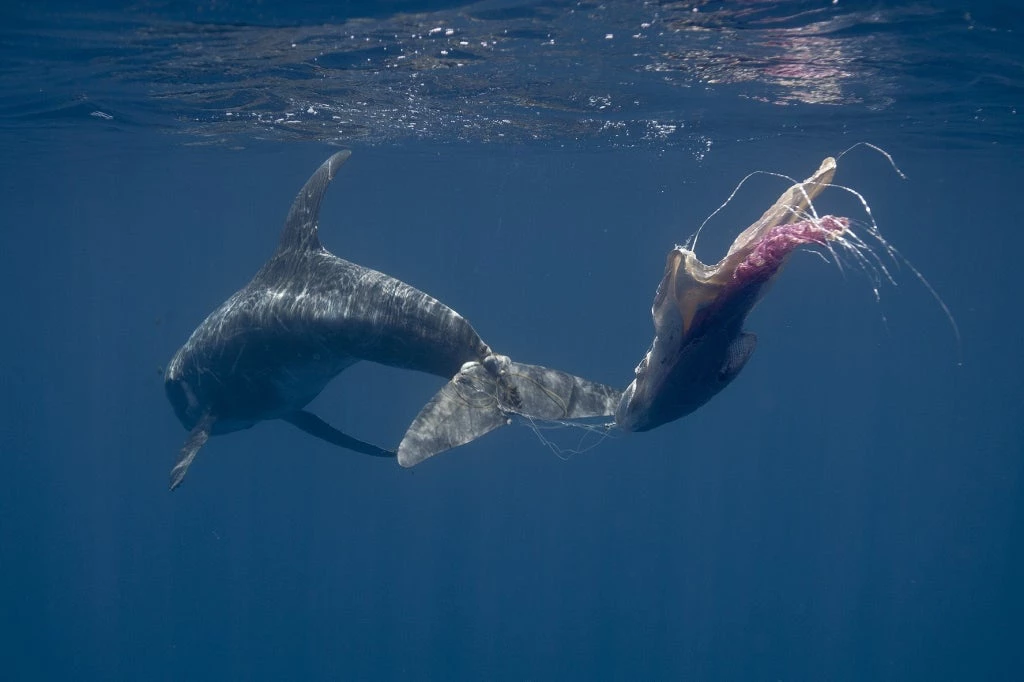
x=307, y=315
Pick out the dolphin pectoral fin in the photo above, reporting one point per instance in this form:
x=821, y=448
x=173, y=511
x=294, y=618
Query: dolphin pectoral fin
x=197, y=437
x=484, y=396
x=739, y=352
x=315, y=426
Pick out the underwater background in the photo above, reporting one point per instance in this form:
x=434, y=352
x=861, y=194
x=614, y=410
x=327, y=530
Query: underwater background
x=850, y=508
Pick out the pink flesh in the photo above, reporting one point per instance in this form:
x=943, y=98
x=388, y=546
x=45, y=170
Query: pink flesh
x=781, y=240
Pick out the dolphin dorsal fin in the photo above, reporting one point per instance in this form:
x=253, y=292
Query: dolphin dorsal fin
x=300, y=228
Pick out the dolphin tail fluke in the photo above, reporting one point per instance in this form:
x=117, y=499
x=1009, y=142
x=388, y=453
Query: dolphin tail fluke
x=197, y=437
x=463, y=410
x=484, y=396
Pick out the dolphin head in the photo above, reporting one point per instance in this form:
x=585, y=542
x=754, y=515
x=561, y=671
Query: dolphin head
x=183, y=389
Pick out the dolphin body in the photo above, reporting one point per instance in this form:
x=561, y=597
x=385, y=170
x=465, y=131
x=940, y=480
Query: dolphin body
x=307, y=315
x=699, y=310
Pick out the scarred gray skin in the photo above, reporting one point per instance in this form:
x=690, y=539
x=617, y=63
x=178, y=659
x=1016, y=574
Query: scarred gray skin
x=306, y=316
x=273, y=346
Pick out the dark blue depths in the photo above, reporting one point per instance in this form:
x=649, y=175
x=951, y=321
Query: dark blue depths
x=851, y=508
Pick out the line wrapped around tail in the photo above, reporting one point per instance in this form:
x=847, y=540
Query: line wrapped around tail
x=485, y=395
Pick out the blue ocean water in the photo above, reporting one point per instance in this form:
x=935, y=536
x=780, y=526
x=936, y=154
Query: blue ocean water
x=851, y=508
